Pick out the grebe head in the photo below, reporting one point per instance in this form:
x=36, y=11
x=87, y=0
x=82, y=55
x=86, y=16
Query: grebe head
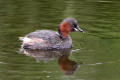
x=67, y=26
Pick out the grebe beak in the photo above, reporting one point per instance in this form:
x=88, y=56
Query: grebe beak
x=79, y=29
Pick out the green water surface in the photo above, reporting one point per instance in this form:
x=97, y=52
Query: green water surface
x=97, y=49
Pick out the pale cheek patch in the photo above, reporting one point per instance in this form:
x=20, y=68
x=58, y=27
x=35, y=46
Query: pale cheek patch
x=33, y=40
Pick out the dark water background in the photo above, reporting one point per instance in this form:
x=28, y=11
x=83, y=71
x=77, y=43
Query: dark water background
x=98, y=48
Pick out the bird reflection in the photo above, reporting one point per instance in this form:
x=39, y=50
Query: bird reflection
x=66, y=65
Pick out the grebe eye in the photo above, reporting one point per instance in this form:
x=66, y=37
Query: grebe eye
x=74, y=25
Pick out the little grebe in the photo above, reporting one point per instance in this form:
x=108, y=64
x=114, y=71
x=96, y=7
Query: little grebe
x=49, y=40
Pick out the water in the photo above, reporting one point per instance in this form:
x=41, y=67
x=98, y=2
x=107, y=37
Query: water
x=97, y=49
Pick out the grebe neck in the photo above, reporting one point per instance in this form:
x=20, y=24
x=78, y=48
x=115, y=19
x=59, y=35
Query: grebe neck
x=64, y=29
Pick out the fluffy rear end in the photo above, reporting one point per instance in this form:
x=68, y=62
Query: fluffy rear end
x=32, y=43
